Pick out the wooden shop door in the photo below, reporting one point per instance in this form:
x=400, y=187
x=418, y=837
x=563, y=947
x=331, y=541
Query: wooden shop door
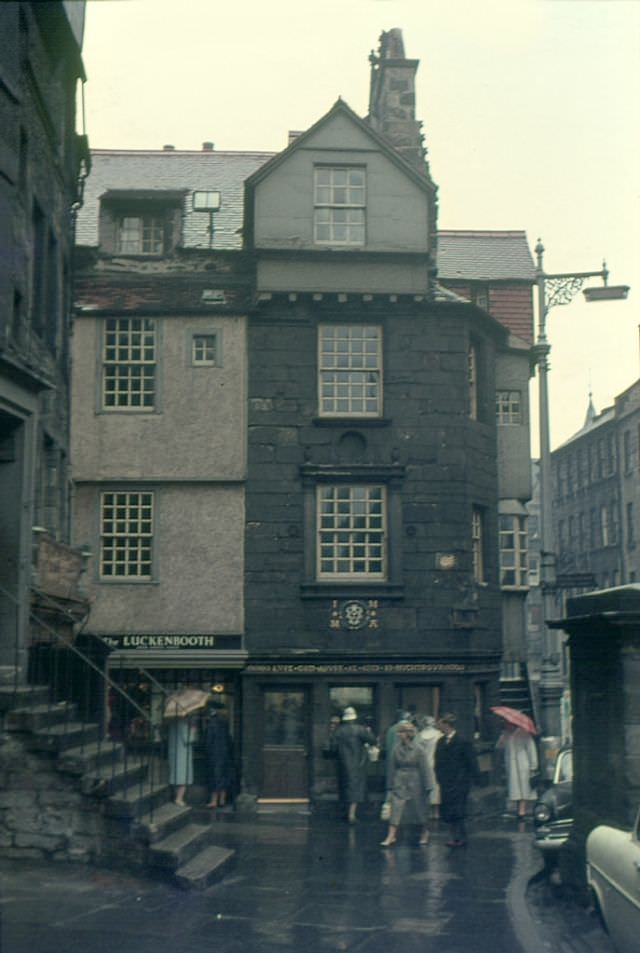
x=285, y=746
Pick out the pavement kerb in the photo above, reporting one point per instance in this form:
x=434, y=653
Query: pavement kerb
x=524, y=925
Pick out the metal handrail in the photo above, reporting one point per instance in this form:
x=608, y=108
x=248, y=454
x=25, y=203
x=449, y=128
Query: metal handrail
x=108, y=684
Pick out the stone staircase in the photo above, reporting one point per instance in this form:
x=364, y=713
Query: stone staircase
x=135, y=825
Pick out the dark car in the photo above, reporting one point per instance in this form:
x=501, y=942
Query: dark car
x=553, y=811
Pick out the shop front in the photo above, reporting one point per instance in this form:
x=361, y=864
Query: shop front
x=289, y=709
x=144, y=669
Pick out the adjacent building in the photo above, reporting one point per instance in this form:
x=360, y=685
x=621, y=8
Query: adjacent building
x=43, y=162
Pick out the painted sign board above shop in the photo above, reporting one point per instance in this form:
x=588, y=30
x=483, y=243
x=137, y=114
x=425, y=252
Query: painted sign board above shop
x=170, y=641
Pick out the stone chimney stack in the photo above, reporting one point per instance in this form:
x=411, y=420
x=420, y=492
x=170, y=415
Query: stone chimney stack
x=392, y=98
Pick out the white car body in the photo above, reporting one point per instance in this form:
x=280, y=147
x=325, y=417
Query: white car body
x=613, y=874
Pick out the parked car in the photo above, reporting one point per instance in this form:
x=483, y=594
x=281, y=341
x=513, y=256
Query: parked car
x=553, y=811
x=613, y=875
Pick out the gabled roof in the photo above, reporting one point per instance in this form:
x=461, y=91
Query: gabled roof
x=484, y=256
x=165, y=173
x=381, y=143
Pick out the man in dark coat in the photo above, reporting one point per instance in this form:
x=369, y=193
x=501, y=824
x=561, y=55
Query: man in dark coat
x=455, y=766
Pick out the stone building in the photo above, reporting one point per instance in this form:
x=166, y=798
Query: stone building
x=596, y=499
x=373, y=521
x=159, y=422
x=43, y=161
x=286, y=455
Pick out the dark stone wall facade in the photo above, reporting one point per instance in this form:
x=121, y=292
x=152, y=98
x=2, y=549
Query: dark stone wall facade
x=439, y=462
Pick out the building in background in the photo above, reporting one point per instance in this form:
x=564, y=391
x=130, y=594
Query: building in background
x=43, y=161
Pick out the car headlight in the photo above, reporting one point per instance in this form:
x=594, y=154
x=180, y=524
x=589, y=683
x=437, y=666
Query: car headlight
x=541, y=813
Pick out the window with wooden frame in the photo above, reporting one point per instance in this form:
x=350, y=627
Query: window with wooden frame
x=350, y=370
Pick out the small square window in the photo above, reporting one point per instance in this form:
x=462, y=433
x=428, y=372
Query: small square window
x=204, y=350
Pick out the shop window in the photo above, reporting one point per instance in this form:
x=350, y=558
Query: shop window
x=420, y=699
x=360, y=697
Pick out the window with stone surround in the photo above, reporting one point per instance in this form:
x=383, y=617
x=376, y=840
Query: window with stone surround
x=129, y=365
x=205, y=351
x=126, y=535
x=339, y=205
x=350, y=370
x=351, y=536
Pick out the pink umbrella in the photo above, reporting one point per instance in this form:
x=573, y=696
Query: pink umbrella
x=515, y=717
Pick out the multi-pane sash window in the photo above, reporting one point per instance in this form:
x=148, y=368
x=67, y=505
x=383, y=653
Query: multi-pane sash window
x=513, y=551
x=508, y=407
x=351, y=532
x=129, y=364
x=126, y=535
x=339, y=205
x=140, y=235
x=477, y=543
x=350, y=370
x=204, y=350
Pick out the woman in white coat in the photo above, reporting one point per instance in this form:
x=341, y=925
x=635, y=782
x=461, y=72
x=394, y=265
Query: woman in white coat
x=520, y=761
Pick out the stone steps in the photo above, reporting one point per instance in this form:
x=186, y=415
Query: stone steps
x=111, y=779
x=149, y=829
x=179, y=846
x=161, y=822
x=89, y=757
x=39, y=716
x=207, y=867
x=57, y=738
x=136, y=800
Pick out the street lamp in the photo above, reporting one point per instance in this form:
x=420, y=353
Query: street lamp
x=555, y=290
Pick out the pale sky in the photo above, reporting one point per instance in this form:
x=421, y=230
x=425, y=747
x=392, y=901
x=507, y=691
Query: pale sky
x=531, y=112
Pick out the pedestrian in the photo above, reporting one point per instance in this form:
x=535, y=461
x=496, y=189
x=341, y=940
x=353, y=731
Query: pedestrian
x=389, y=742
x=219, y=751
x=411, y=782
x=456, y=769
x=520, y=761
x=350, y=740
x=182, y=736
x=428, y=735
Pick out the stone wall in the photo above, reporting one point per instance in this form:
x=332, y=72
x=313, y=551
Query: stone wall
x=43, y=813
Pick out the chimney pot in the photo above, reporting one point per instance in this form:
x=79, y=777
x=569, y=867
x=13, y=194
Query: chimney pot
x=168, y=148
x=293, y=135
x=207, y=147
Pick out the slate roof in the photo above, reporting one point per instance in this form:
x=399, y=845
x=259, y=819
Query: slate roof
x=484, y=256
x=462, y=255
x=173, y=170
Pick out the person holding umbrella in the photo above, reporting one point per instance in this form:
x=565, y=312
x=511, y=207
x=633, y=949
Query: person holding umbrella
x=182, y=735
x=520, y=756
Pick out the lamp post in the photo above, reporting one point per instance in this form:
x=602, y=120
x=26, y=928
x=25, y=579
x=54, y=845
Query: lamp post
x=554, y=290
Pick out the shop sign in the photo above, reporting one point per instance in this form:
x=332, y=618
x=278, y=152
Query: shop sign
x=355, y=668
x=172, y=641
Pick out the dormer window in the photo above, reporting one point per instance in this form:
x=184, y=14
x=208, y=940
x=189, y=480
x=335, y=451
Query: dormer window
x=339, y=205
x=140, y=222
x=140, y=235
